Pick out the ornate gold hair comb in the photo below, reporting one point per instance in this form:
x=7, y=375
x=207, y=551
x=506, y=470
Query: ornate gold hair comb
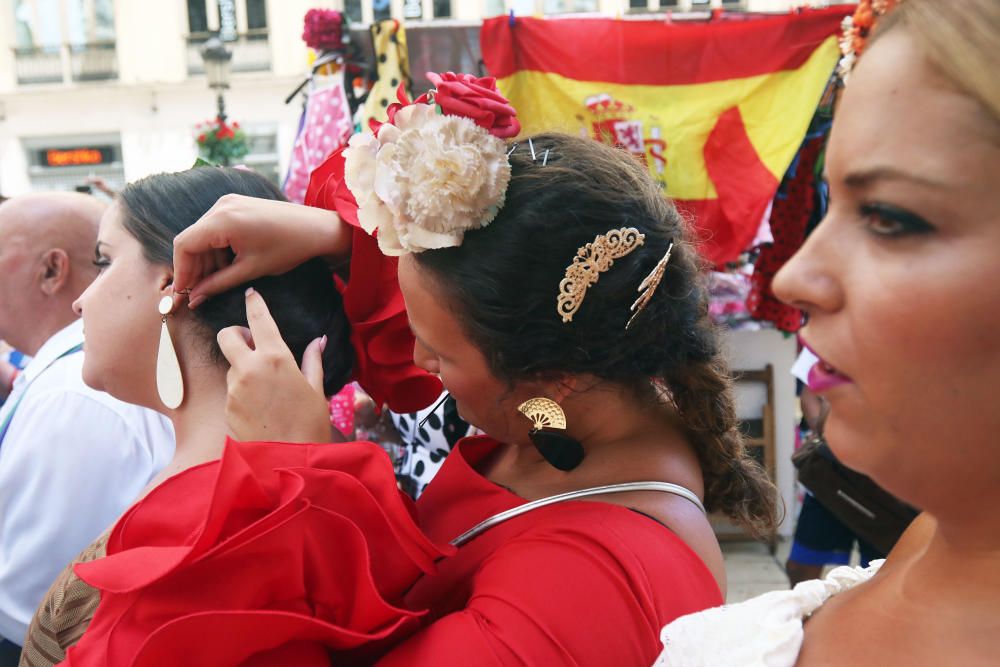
x=590, y=262
x=648, y=286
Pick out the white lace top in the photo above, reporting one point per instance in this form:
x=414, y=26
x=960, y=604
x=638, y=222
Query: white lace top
x=765, y=631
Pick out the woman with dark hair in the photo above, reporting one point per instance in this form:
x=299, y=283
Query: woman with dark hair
x=552, y=288
x=142, y=349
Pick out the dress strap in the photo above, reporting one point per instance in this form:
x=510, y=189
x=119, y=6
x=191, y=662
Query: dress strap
x=665, y=487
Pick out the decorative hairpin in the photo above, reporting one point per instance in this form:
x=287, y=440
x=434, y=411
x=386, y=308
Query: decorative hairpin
x=648, y=286
x=589, y=263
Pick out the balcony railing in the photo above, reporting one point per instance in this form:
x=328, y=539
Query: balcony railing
x=251, y=52
x=96, y=61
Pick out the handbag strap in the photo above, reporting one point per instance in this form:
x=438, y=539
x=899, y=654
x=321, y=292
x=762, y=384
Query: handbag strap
x=665, y=487
x=13, y=408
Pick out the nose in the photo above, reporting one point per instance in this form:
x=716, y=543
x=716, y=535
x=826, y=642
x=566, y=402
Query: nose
x=812, y=279
x=78, y=306
x=424, y=359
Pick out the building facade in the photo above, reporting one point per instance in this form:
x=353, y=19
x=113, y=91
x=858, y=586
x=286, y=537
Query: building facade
x=114, y=88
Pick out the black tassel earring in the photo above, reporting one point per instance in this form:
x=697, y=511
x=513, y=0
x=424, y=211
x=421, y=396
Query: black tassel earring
x=548, y=419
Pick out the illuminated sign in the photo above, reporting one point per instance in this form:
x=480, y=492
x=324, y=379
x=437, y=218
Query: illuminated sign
x=74, y=157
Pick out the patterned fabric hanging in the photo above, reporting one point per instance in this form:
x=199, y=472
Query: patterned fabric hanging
x=326, y=126
x=392, y=66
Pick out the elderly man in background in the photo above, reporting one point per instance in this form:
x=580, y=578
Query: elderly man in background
x=71, y=458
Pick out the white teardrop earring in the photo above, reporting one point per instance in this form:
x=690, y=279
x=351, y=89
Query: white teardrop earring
x=169, y=383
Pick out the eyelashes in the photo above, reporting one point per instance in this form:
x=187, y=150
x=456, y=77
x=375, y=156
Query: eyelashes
x=891, y=221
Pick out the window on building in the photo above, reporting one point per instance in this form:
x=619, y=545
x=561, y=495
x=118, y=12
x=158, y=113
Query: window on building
x=442, y=9
x=53, y=37
x=256, y=14
x=225, y=12
x=413, y=9
x=241, y=23
x=638, y=4
x=353, y=10
x=381, y=9
x=568, y=6
x=197, y=16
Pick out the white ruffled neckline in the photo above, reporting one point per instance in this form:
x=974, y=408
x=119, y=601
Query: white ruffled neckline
x=765, y=631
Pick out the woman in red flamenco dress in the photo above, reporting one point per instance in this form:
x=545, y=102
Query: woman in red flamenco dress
x=567, y=536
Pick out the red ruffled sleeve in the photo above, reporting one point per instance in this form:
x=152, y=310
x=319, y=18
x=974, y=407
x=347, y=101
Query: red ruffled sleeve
x=381, y=335
x=265, y=557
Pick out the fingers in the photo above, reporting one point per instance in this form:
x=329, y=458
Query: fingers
x=221, y=280
x=312, y=363
x=235, y=345
x=262, y=326
x=197, y=246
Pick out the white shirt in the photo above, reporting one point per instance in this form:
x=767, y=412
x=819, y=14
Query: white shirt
x=765, y=631
x=72, y=461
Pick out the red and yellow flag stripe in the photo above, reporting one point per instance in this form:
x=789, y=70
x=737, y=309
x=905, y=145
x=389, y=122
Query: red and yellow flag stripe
x=716, y=109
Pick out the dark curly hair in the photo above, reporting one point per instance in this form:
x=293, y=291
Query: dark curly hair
x=504, y=281
x=304, y=302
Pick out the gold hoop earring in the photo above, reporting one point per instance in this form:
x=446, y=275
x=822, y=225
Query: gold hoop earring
x=169, y=383
x=548, y=419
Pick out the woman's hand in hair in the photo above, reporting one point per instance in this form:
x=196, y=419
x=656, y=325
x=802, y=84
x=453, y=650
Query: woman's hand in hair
x=270, y=397
x=241, y=238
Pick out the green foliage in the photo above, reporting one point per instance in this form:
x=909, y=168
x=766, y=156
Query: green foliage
x=219, y=143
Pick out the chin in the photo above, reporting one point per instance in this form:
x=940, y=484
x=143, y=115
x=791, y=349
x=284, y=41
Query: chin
x=91, y=378
x=863, y=450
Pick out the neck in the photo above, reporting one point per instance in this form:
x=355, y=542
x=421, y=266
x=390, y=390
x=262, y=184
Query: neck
x=624, y=439
x=959, y=568
x=200, y=422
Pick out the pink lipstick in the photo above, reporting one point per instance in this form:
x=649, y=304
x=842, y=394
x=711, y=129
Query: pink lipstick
x=823, y=377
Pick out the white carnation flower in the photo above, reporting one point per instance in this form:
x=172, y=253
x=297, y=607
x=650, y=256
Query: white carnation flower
x=359, y=165
x=426, y=180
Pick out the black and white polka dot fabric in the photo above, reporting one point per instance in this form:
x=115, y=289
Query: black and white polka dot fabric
x=426, y=446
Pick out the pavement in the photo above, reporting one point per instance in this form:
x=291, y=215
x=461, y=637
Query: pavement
x=752, y=570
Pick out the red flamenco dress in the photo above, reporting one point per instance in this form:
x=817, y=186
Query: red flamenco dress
x=309, y=555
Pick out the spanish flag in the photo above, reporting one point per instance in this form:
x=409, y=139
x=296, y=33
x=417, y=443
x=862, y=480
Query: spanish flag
x=716, y=109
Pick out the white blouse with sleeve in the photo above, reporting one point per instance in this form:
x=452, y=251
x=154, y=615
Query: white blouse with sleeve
x=765, y=631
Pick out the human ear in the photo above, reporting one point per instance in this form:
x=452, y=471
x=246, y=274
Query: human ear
x=166, y=286
x=54, y=271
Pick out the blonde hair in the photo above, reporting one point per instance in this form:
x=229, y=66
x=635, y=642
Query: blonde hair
x=960, y=38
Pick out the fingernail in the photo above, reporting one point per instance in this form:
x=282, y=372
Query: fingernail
x=196, y=301
x=249, y=291
x=322, y=345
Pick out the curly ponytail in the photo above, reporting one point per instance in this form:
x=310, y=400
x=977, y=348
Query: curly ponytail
x=735, y=484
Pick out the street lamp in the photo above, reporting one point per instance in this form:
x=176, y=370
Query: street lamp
x=217, y=57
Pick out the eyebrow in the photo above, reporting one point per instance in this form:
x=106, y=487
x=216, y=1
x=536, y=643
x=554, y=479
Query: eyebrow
x=865, y=177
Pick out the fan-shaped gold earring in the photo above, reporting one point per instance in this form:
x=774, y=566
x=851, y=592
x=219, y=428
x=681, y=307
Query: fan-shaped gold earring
x=548, y=419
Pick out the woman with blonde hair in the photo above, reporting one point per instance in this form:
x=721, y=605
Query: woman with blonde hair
x=901, y=285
